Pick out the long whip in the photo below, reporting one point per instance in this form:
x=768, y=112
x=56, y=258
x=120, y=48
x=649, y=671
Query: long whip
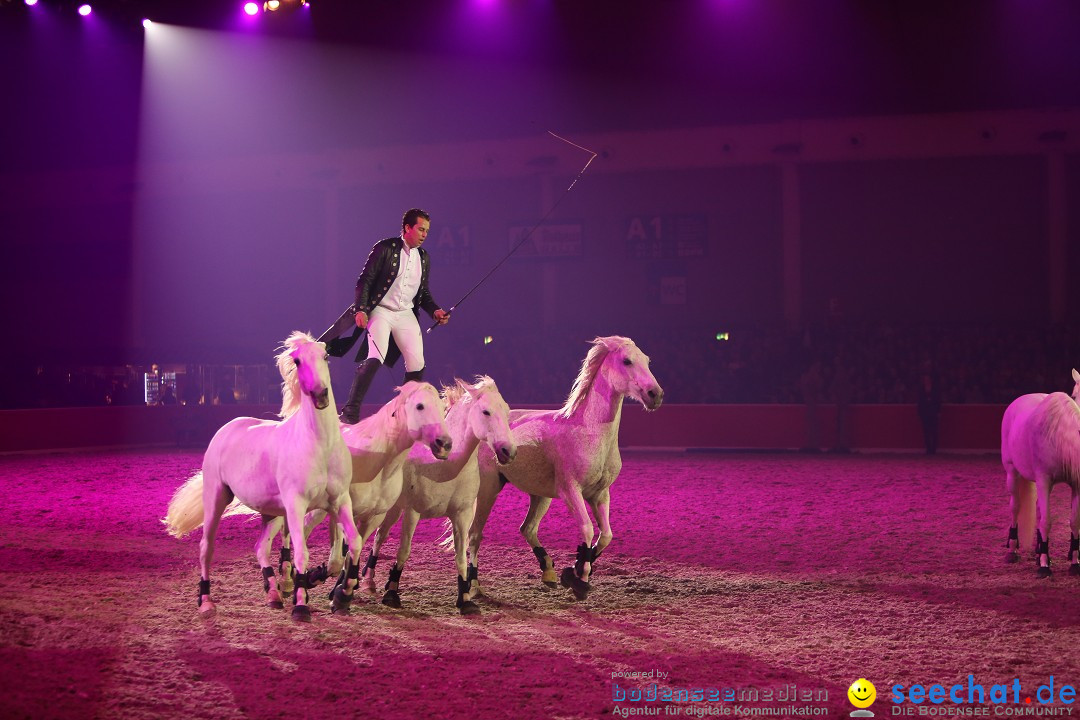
x=526, y=236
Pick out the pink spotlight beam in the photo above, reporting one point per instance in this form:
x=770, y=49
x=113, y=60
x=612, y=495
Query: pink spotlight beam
x=84, y=10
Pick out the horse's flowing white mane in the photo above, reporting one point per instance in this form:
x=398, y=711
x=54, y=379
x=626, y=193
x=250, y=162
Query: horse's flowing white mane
x=1061, y=428
x=290, y=386
x=453, y=394
x=601, y=346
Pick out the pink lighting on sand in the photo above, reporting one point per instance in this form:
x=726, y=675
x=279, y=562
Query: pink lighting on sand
x=251, y=8
x=84, y=10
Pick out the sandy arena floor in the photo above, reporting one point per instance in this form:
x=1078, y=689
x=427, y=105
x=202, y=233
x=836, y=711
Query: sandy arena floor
x=726, y=571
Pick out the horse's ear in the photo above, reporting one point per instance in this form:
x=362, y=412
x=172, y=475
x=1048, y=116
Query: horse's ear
x=1076, y=375
x=466, y=387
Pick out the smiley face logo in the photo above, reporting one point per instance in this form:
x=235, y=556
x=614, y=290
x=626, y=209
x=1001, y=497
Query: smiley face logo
x=862, y=693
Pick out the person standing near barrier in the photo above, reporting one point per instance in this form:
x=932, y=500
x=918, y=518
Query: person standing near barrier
x=391, y=290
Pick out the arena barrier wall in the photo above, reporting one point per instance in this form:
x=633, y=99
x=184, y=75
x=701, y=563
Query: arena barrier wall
x=967, y=428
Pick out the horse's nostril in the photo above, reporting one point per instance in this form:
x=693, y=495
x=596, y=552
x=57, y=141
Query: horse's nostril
x=652, y=393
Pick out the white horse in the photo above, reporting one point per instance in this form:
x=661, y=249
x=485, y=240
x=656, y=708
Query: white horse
x=378, y=446
x=447, y=489
x=1040, y=447
x=277, y=468
x=571, y=453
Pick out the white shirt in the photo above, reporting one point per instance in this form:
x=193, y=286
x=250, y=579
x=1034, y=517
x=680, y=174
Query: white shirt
x=407, y=283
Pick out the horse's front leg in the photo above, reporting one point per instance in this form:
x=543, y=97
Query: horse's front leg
x=461, y=522
x=343, y=592
x=294, y=519
x=601, y=507
x=1074, y=533
x=262, y=552
x=409, y=519
x=577, y=577
x=530, y=530
x=1042, y=535
x=485, y=501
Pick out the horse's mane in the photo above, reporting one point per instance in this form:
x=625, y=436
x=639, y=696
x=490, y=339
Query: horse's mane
x=453, y=394
x=1060, y=427
x=290, y=395
x=601, y=346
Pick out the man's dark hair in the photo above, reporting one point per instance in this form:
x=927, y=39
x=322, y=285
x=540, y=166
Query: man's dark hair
x=412, y=216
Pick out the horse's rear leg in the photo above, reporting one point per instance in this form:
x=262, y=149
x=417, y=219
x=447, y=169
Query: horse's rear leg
x=1042, y=514
x=215, y=499
x=490, y=485
x=530, y=530
x=1012, y=543
x=368, y=582
x=391, y=597
x=262, y=552
x=1074, y=534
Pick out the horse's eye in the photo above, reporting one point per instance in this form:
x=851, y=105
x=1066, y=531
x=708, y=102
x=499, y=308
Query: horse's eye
x=326, y=357
x=487, y=413
x=626, y=361
x=420, y=406
x=297, y=361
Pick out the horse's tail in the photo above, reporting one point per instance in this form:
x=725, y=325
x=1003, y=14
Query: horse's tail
x=238, y=508
x=446, y=541
x=186, y=507
x=1025, y=514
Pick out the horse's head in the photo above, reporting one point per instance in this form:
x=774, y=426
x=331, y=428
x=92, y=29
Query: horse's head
x=489, y=417
x=425, y=417
x=627, y=369
x=303, y=368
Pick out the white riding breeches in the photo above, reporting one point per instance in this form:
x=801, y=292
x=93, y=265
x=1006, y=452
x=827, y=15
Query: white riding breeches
x=405, y=329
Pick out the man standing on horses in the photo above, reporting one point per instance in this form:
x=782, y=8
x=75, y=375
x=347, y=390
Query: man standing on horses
x=390, y=291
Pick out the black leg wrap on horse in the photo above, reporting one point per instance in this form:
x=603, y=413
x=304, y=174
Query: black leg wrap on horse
x=372, y=558
x=1074, y=544
x=1013, y=535
x=354, y=571
x=204, y=589
x=1042, y=546
x=395, y=576
x=286, y=554
x=540, y=554
x=585, y=554
x=303, y=580
x=474, y=574
x=267, y=574
x=318, y=575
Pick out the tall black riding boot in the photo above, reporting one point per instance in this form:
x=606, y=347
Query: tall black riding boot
x=365, y=373
x=416, y=375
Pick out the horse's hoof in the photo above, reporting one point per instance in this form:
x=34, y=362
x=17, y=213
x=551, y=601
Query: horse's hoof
x=318, y=575
x=207, y=610
x=300, y=613
x=468, y=607
x=570, y=580
x=550, y=578
x=1043, y=572
x=1074, y=569
x=1012, y=557
x=276, y=604
x=368, y=586
x=341, y=602
x=391, y=599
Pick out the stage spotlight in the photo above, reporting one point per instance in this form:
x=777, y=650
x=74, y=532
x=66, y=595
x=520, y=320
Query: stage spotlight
x=146, y=22
x=31, y=3
x=283, y=5
x=84, y=10
x=251, y=8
